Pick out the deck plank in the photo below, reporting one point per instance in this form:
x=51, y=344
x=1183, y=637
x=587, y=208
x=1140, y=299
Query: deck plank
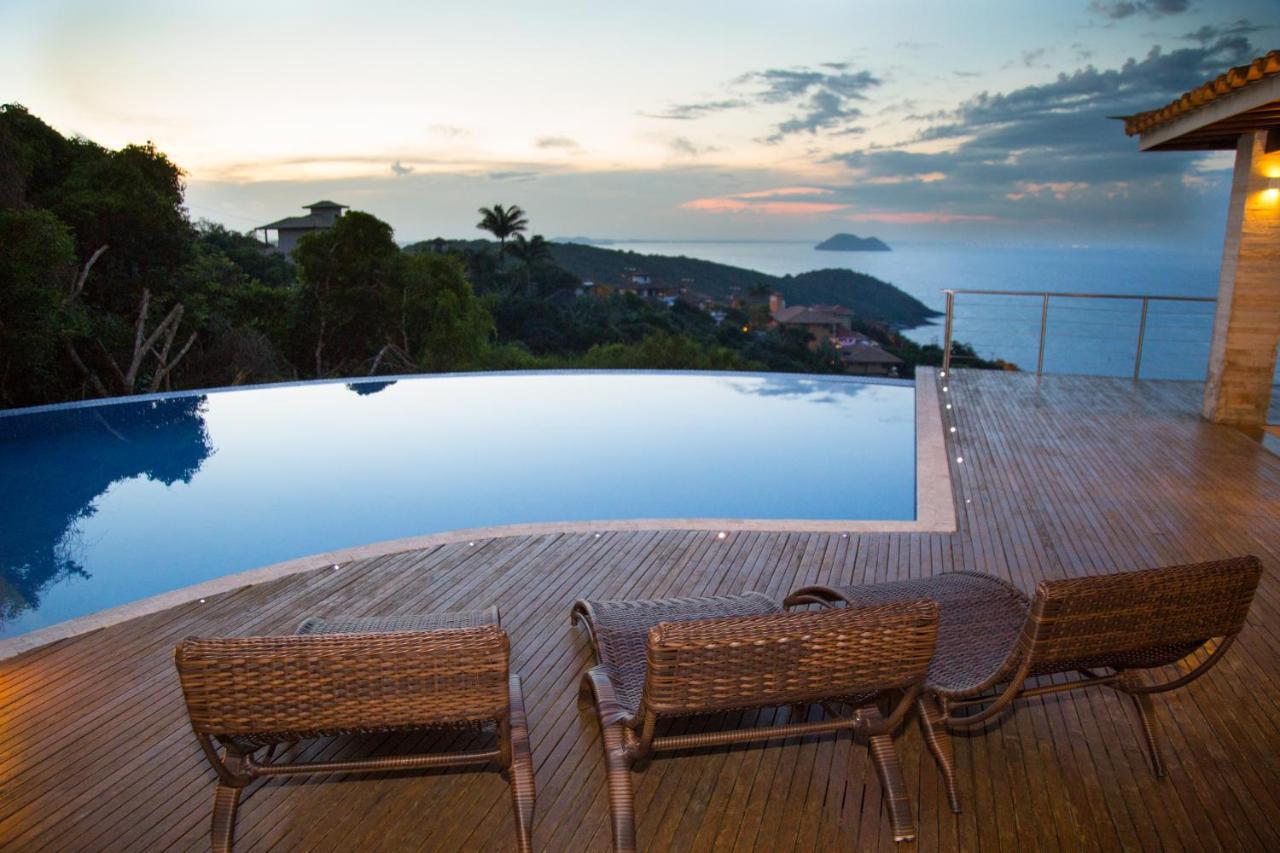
x=1061, y=477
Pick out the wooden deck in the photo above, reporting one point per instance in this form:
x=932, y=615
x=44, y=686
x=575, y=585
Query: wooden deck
x=1064, y=477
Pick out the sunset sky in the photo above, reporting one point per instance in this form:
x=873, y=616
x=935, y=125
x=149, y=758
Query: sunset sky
x=921, y=120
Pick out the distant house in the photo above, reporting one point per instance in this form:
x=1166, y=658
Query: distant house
x=290, y=229
x=859, y=354
x=642, y=285
x=823, y=322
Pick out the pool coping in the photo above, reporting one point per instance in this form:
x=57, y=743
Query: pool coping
x=935, y=513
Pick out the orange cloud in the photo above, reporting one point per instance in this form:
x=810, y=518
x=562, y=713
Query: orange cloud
x=737, y=204
x=918, y=217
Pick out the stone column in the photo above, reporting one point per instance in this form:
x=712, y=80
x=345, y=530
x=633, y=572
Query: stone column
x=1246, y=327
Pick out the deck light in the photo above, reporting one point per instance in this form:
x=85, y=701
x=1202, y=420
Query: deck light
x=942, y=374
x=948, y=405
x=959, y=460
x=953, y=429
x=470, y=544
x=721, y=535
x=597, y=535
x=202, y=601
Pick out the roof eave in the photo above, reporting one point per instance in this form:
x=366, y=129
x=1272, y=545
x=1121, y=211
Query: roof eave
x=1194, y=130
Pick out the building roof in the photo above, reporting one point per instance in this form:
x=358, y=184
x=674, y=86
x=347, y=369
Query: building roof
x=810, y=315
x=322, y=205
x=1243, y=99
x=297, y=223
x=869, y=354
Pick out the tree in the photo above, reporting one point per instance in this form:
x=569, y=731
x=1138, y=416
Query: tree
x=529, y=252
x=503, y=223
x=442, y=324
x=37, y=267
x=348, y=274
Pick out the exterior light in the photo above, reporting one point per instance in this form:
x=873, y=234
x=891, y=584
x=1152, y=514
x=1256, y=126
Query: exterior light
x=202, y=601
x=1271, y=190
x=953, y=429
x=471, y=544
x=948, y=405
x=945, y=389
x=721, y=535
x=959, y=460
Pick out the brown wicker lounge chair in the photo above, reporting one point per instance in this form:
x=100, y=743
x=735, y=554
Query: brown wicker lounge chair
x=676, y=657
x=1103, y=629
x=354, y=676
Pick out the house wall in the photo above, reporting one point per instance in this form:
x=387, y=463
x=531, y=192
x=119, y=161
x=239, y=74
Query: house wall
x=1246, y=331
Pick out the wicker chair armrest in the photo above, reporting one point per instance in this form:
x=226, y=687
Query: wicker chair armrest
x=608, y=708
x=824, y=596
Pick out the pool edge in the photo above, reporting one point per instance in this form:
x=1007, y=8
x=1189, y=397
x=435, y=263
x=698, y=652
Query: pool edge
x=935, y=513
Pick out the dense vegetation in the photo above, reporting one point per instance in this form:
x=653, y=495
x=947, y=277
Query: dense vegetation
x=108, y=288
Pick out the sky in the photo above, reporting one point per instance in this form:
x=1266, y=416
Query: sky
x=918, y=120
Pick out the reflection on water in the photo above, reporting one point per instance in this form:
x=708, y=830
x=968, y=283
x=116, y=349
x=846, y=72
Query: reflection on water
x=102, y=505
x=366, y=388
x=85, y=451
x=798, y=387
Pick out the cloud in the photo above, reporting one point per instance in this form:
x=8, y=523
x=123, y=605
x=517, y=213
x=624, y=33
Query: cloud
x=1047, y=152
x=1118, y=10
x=513, y=175
x=1208, y=35
x=556, y=142
x=917, y=217
x=688, y=112
x=784, y=191
x=732, y=204
x=400, y=170
x=823, y=97
x=682, y=146
x=767, y=202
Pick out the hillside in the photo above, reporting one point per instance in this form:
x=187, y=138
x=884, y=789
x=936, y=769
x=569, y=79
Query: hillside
x=870, y=297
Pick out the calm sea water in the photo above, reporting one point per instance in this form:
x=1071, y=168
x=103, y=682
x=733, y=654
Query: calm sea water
x=108, y=503
x=1084, y=336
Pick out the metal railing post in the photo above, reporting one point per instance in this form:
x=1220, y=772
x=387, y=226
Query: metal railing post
x=946, y=333
x=1044, y=323
x=1142, y=332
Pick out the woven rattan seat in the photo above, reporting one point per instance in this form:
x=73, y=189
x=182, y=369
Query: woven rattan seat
x=354, y=675
x=1102, y=630
x=676, y=657
x=979, y=619
x=620, y=630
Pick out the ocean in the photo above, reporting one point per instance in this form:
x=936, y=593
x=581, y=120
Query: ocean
x=1091, y=336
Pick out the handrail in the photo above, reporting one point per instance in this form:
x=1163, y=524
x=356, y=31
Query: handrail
x=1045, y=296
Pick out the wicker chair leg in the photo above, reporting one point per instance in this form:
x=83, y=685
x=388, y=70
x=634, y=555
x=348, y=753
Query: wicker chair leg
x=622, y=805
x=523, y=792
x=933, y=723
x=1150, y=734
x=226, y=802
x=889, y=769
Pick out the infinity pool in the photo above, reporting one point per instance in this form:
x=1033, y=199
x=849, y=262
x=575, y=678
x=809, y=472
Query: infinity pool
x=106, y=503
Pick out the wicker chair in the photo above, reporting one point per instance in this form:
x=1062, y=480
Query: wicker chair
x=402, y=674
x=1103, y=630
x=677, y=657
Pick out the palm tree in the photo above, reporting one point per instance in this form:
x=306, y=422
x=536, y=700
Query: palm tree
x=529, y=252
x=502, y=222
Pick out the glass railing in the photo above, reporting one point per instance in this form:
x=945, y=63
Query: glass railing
x=1108, y=334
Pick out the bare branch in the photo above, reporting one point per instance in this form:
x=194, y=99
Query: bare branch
x=78, y=285
x=84, y=369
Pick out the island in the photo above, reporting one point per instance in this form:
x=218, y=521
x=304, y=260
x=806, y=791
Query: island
x=852, y=243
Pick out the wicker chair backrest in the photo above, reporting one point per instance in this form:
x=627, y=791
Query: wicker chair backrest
x=1137, y=619
x=282, y=688
x=783, y=658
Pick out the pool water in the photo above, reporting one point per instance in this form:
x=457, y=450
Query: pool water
x=106, y=503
